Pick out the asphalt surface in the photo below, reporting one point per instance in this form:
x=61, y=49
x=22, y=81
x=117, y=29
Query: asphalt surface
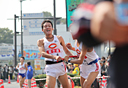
x=13, y=84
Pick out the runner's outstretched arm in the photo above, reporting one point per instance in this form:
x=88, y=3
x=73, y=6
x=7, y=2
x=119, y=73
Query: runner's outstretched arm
x=69, y=46
x=64, y=46
x=81, y=57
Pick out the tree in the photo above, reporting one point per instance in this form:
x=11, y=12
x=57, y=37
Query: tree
x=47, y=14
x=59, y=21
x=6, y=36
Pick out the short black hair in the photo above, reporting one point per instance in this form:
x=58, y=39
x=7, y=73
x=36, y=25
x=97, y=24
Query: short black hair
x=45, y=22
x=29, y=63
x=103, y=58
x=22, y=57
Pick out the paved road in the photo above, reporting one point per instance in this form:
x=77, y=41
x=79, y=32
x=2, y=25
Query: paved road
x=12, y=85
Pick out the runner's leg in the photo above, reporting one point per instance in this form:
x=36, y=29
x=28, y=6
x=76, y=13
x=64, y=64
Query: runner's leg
x=82, y=81
x=23, y=80
x=64, y=81
x=90, y=79
x=51, y=81
x=20, y=78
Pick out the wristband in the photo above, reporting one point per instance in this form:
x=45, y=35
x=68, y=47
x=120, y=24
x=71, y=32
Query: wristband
x=69, y=60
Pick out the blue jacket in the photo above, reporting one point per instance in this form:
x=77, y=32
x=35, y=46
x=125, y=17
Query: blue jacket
x=29, y=74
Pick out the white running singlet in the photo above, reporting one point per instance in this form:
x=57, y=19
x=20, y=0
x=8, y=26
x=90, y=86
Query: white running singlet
x=22, y=69
x=54, y=48
x=85, y=69
x=90, y=56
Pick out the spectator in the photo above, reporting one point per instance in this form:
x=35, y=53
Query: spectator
x=76, y=70
x=66, y=64
x=2, y=75
x=0, y=72
x=29, y=74
x=103, y=59
x=10, y=72
x=70, y=67
x=103, y=68
x=2, y=69
x=108, y=58
x=6, y=71
x=15, y=72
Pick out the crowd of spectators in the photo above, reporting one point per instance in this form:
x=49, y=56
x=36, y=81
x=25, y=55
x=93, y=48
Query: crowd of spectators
x=6, y=71
x=73, y=68
x=104, y=62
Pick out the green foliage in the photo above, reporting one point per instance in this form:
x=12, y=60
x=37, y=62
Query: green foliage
x=47, y=14
x=40, y=77
x=13, y=77
x=76, y=81
x=10, y=63
x=62, y=20
x=6, y=36
x=59, y=21
x=71, y=75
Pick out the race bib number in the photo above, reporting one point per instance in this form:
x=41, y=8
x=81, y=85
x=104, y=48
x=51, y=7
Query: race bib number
x=22, y=68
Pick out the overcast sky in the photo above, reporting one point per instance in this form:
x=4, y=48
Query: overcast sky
x=10, y=7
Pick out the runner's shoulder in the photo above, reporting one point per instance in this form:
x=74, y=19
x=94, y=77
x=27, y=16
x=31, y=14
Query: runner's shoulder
x=40, y=41
x=59, y=37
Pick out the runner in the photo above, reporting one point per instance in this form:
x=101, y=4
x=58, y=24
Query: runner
x=51, y=47
x=88, y=59
x=111, y=28
x=108, y=23
x=22, y=67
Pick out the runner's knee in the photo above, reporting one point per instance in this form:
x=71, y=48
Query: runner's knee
x=87, y=85
x=66, y=86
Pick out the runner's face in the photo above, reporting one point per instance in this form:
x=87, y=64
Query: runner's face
x=21, y=60
x=47, y=28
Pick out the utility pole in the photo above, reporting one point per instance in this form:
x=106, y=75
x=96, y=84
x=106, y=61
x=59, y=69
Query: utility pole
x=15, y=50
x=21, y=30
x=54, y=6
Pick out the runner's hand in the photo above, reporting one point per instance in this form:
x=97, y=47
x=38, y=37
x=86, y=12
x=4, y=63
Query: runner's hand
x=66, y=58
x=69, y=46
x=58, y=58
